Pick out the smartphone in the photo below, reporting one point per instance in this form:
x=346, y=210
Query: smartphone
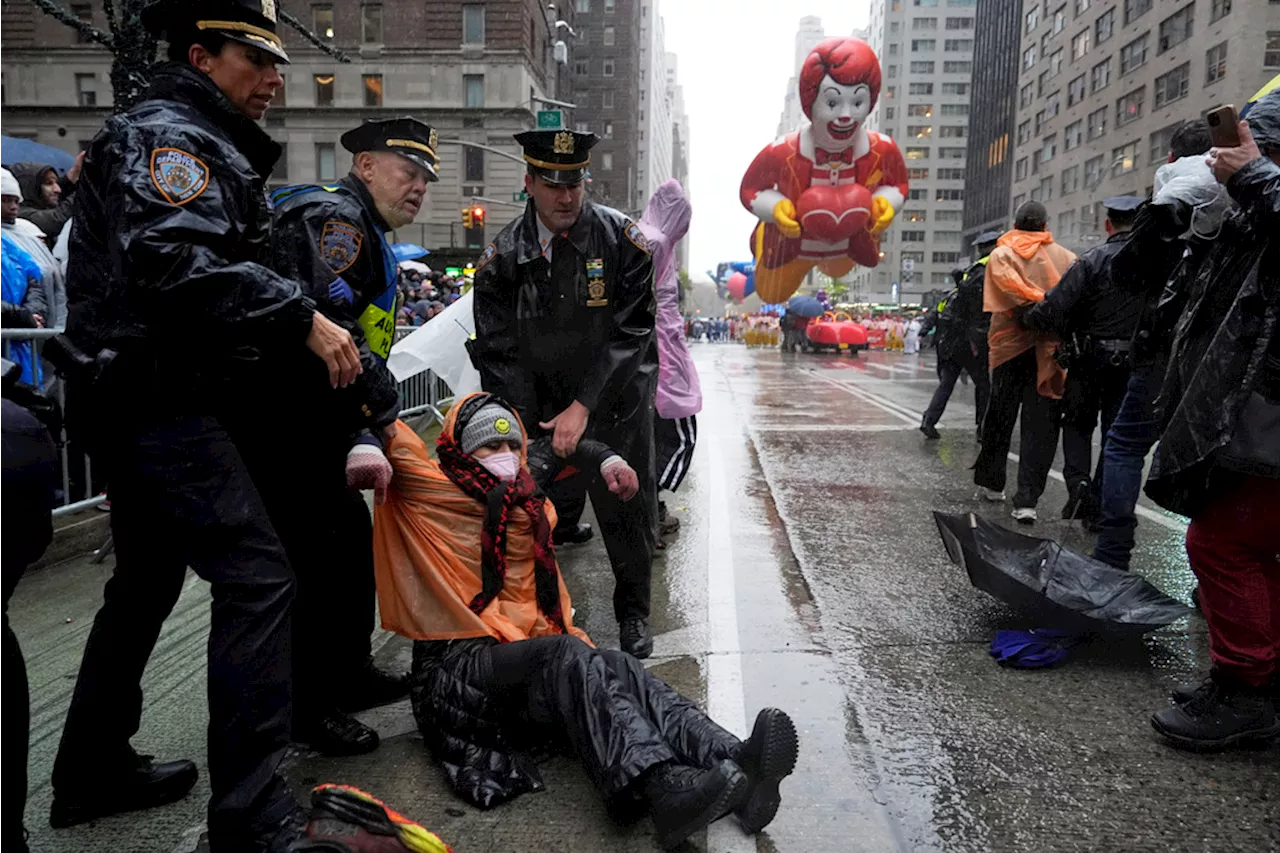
x=1224, y=126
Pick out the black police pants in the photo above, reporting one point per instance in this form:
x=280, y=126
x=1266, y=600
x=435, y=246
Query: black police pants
x=949, y=370
x=1095, y=388
x=1013, y=388
x=181, y=496
x=605, y=708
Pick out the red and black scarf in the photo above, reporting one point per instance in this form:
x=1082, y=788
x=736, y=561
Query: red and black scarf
x=499, y=499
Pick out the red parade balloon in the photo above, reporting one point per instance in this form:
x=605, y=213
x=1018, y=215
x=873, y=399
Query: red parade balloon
x=832, y=214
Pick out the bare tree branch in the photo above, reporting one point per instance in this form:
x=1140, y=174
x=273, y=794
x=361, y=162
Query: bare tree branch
x=87, y=30
x=312, y=37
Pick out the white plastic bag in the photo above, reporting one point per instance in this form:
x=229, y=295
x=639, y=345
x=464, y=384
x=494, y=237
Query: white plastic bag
x=440, y=346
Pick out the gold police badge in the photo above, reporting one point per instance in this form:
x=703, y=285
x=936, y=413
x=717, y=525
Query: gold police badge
x=563, y=143
x=595, y=292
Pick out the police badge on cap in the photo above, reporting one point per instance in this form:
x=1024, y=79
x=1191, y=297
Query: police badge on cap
x=407, y=136
x=251, y=22
x=558, y=156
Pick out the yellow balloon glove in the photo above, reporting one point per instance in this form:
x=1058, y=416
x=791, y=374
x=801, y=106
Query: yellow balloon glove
x=784, y=214
x=882, y=214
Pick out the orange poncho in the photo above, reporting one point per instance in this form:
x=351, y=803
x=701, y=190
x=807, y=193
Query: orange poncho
x=426, y=551
x=1023, y=268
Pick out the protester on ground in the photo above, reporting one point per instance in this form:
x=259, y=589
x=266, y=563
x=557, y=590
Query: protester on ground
x=1218, y=460
x=1096, y=320
x=565, y=314
x=48, y=201
x=501, y=673
x=192, y=161
x=1025, y=265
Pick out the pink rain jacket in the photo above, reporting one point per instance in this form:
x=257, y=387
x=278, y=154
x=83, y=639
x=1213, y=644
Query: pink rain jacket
x=665, y=222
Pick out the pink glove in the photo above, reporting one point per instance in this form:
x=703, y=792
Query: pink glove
x=368, y=468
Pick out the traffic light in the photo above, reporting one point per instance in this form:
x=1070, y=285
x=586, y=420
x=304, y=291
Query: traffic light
x=466, y=217
x=477, y=216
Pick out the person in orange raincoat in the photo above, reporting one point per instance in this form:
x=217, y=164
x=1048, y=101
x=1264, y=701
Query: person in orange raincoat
x=1025, y=265
x=466, y=568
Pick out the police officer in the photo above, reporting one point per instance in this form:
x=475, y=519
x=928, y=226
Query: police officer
x=564, y=313
x=332, y=240
x=962, y=341
x=1096, y=320
x=169, y=288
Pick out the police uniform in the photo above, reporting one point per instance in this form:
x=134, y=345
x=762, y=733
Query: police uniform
x=570, y=316
x=1097, y=319
x=169, y=287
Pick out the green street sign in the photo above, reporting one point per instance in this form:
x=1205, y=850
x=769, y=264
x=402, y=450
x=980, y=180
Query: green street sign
x=523, y=195
x=550, y=120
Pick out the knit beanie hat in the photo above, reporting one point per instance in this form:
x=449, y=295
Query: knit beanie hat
x=491, y=422
x=9, y=184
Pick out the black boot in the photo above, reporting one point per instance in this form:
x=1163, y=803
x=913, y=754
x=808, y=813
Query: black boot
x=635, y=638
x=767, y=757
x=373, y=687
x=683, y=800
x=573, y=536
x=277, y=835
x=1183, y=693
x=140, y=784
x=1219, y=714
x=335, y=734
x=929, y=430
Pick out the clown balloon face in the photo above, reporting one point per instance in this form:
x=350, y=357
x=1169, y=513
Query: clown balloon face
x=838, y=112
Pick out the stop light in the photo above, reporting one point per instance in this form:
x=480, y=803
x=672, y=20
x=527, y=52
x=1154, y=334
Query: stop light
x=466, y=217
x=477, y=216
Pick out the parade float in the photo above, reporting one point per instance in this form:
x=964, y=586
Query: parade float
x=836, y=332
x=827, y=190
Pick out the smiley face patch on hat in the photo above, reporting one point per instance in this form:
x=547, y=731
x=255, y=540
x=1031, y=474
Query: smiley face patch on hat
x=502, y=426
x=340, y=244
x=180, y=177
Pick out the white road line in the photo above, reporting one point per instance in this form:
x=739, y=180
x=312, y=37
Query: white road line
x=831, y=428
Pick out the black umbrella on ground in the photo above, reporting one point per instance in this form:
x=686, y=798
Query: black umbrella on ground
x=1055, y=585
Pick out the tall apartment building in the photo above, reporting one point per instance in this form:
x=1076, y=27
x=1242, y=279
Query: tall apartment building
x=808, y=35
x=1104, y=84
x=474, y=70
x=679, y=145
x=926, y=62
x=654, y=144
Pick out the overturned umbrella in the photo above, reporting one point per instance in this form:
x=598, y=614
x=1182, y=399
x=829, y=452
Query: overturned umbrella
x=1055, y=585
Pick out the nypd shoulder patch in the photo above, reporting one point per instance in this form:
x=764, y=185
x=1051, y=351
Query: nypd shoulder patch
x=340, y=244
x=490, y=252
x=180, y=177
x=636, y=236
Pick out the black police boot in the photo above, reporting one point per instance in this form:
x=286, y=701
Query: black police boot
x=635, y=638
x=767, y=757
x=683, y=800
x=373, y=687
x=335, y=734
x=930, y=431
x=139, y=784
x=1220, y=713
x=1183, y=693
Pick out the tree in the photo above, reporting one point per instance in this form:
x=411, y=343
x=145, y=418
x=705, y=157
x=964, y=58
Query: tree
x=686, y=284
x=133, y=49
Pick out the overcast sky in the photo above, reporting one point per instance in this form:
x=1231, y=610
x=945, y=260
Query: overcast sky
x=735, y=61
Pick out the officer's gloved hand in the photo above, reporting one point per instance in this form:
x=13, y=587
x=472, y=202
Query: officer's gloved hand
x=368, y=468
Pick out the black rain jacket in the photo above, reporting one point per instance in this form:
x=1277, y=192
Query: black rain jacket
x=1087, y=300
x=963, y=325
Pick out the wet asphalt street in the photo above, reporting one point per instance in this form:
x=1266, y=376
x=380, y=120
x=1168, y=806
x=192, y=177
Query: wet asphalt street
x=808, y=574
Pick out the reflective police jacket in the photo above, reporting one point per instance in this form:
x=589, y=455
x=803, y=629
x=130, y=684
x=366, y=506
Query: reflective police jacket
x=1087, y=302
x=580, y=327
x=169, y=251
x=331, y=239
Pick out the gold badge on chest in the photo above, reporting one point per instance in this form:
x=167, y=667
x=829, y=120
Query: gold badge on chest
x=595, y=284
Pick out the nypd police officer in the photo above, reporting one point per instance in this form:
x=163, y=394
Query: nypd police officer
x=1096, y=319
x=169, y=289
x=564, y=313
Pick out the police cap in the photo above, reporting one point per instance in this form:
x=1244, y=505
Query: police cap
x=407, y=136
x=558, y=156
x=1122, y=203
x=986, y=237
x=251, y=22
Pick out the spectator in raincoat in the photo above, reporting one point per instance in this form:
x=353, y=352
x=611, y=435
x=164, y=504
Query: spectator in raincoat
x=679, y=399
x=467, y=569
x=47, y=200
x=24, y=305
x=1025, y=265
x=1218, y=460
x=33, y=241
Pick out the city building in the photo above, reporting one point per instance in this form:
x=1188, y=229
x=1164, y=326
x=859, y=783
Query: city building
x=926, y=50
x=476, y=71
x=679, y=146
x=654, y=144
x=808, y=35
x=1103, y=86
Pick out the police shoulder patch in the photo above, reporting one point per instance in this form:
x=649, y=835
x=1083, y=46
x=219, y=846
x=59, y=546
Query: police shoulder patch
x=490, y=252
x=180, y=177
x=340, y=244
x=636, y=236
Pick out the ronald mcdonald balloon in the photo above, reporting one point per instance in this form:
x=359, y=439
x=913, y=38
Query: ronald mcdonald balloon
x=826, y=191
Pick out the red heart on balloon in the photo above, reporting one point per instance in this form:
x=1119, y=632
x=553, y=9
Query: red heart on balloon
x=832, y=214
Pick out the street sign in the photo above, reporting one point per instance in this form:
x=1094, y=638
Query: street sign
x=523, y=195
x=908, y=265
x=550, y=120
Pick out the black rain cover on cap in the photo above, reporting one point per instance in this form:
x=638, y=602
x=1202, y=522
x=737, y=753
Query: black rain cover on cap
x=1264, y=121
x=1057, y=586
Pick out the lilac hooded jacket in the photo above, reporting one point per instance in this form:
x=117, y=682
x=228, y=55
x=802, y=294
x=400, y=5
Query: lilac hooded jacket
x=665, y=222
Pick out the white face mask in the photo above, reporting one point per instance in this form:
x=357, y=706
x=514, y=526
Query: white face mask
x=504, y=464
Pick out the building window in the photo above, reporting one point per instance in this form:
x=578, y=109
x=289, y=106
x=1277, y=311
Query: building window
x=920, y=89
x=1097, y=123
x=1049, y=148
x=1271, y=54
x=959, y=23
x=950, y=175
x=607, y=99
x=1215, y=63
x=955, y=45
x=1093, y=172
x=608, y=130
x=919, y=131
x=372, y=90
x=1073, y=135
x=1033, y=18
x=83, y=13
x=1070, y=179
x=1219, y=9
x=371, y=23
x=1060, y=19
x=949, y=195
x=474, y=86
x=581, y=67
x=1100, y=76
x=1176, y=28
x=1067, y=223
x=953, y=131
x=924, y=23
x=964, y=67
x=955, y=89
x=322, y=21
x=1029, y=58
x=890, y=113
x=895, y=28
x=917, y=175
x=1081, y=43
x=913, y=195
x=581, y=6
x=1134, y=54
x=893, y=71
x=1024, y=132
x=1055, y=62
x=609, y=35
x=1082, y=6
x=609, y=7
x=1027, y=95
x=913, y=236
x=473, y=24
x=326, y=162
x=920, y=110
x=915, y=215
x=1124, y=159
x=1053, y=104
x=324, y=90
x=473, y=164
x=922, y=67
x=1075, y=91
x=951, y=153
x=955, y=109
x=86, y=90
x=1104, y=27
x=1039, y=122
x=916, y=153
x=1042, y=84
x=1129, y=108
x=1160, y=141
x=1017, y=203
x=893, y=49
x=608, y=68
x=1134, y=9
x=1174, y=85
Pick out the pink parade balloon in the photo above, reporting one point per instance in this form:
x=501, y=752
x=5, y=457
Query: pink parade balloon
x=737, y=286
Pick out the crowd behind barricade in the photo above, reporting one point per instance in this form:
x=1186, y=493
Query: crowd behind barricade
x=422, y=296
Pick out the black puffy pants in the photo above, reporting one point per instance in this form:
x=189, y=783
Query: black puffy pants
x=181, y=496
x=605, y=708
